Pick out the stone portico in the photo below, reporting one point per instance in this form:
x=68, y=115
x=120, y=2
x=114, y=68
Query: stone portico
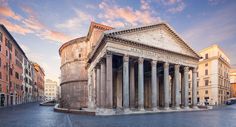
x=141, y=69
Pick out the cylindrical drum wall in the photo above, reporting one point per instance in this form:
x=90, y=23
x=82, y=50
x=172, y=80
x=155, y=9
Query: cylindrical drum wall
x=74, y=76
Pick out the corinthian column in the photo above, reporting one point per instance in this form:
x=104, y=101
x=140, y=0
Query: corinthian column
x=132, y=86
x=177, y=85
x=98, y=81
x=166, y=86
x=126, y=82
x=154, y=85
x=109, y=85
x=194, y=88
x=140, y=84
x=103, y=84
x=186, y=70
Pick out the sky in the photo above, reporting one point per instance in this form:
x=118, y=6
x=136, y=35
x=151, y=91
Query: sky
x=42, y=26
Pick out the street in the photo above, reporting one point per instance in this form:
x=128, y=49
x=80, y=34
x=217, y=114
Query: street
x=33, y=115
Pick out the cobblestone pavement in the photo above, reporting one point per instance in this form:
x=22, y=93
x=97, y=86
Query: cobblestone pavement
x=33, y=115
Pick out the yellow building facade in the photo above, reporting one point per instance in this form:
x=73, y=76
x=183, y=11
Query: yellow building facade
x=213, y=83
x=233, y=82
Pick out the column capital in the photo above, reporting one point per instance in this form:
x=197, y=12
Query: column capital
x=154, y=62
x=126, y=58
x=166, y=65
x=140, y=60
x=97, y=66
x=108, y=53
x=177, y=66
x=194, y=70
x=102, y=60
x=186, y=69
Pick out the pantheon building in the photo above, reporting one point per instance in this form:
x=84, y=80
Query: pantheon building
x=138, y=69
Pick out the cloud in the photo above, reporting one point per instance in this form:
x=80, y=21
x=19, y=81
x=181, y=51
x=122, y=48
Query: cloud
x=7, y=12
x=179, y=8
x=219, y=28
x=55, y=36
x=144, y=5
x=173, y=6
x=76, y=21
x=29, y=24
x=15, y=28
x=114, y=13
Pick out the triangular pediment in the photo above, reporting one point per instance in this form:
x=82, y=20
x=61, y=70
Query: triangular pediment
x=159, y=36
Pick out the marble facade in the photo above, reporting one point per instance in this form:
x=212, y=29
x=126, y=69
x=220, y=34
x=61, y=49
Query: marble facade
x=132, y=66
x=140, y=69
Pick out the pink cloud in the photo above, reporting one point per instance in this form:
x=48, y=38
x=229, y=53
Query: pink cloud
x=127, y=14
x=144, y=5
x=15, y=28
x=30, y=24
x=55, y=36
x=7, y=12
x=33, y=23
x=76, y=21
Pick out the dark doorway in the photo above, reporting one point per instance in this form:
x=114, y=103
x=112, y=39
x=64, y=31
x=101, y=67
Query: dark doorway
x=2, y=100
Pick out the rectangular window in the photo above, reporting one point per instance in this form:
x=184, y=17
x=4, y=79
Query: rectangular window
x=9, y=45
x=0, y=37
x=17, y=75
x=6, y=41
x=206, y=64
x=206, y=56
x=206, y=92
x=206, y=72
x=0, y=48
x=10, y=71
x=197, y=74
x=206, y=82
x=10, y=56
x=189, y=84
x=0, y=87
x=197, y=83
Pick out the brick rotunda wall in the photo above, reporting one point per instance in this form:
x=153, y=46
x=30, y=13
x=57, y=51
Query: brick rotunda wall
x=74, y=77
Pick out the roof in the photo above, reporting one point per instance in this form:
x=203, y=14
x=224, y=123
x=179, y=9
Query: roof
x=111, y=33
x=97, y=25
x=14, y=41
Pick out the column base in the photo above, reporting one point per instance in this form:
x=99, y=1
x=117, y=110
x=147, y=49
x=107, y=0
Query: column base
x=155, y=109
x=195, y=107
x=166, y=108
x=177, y=108
x=141, y=109
x=126, y=110
x=186, y=108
